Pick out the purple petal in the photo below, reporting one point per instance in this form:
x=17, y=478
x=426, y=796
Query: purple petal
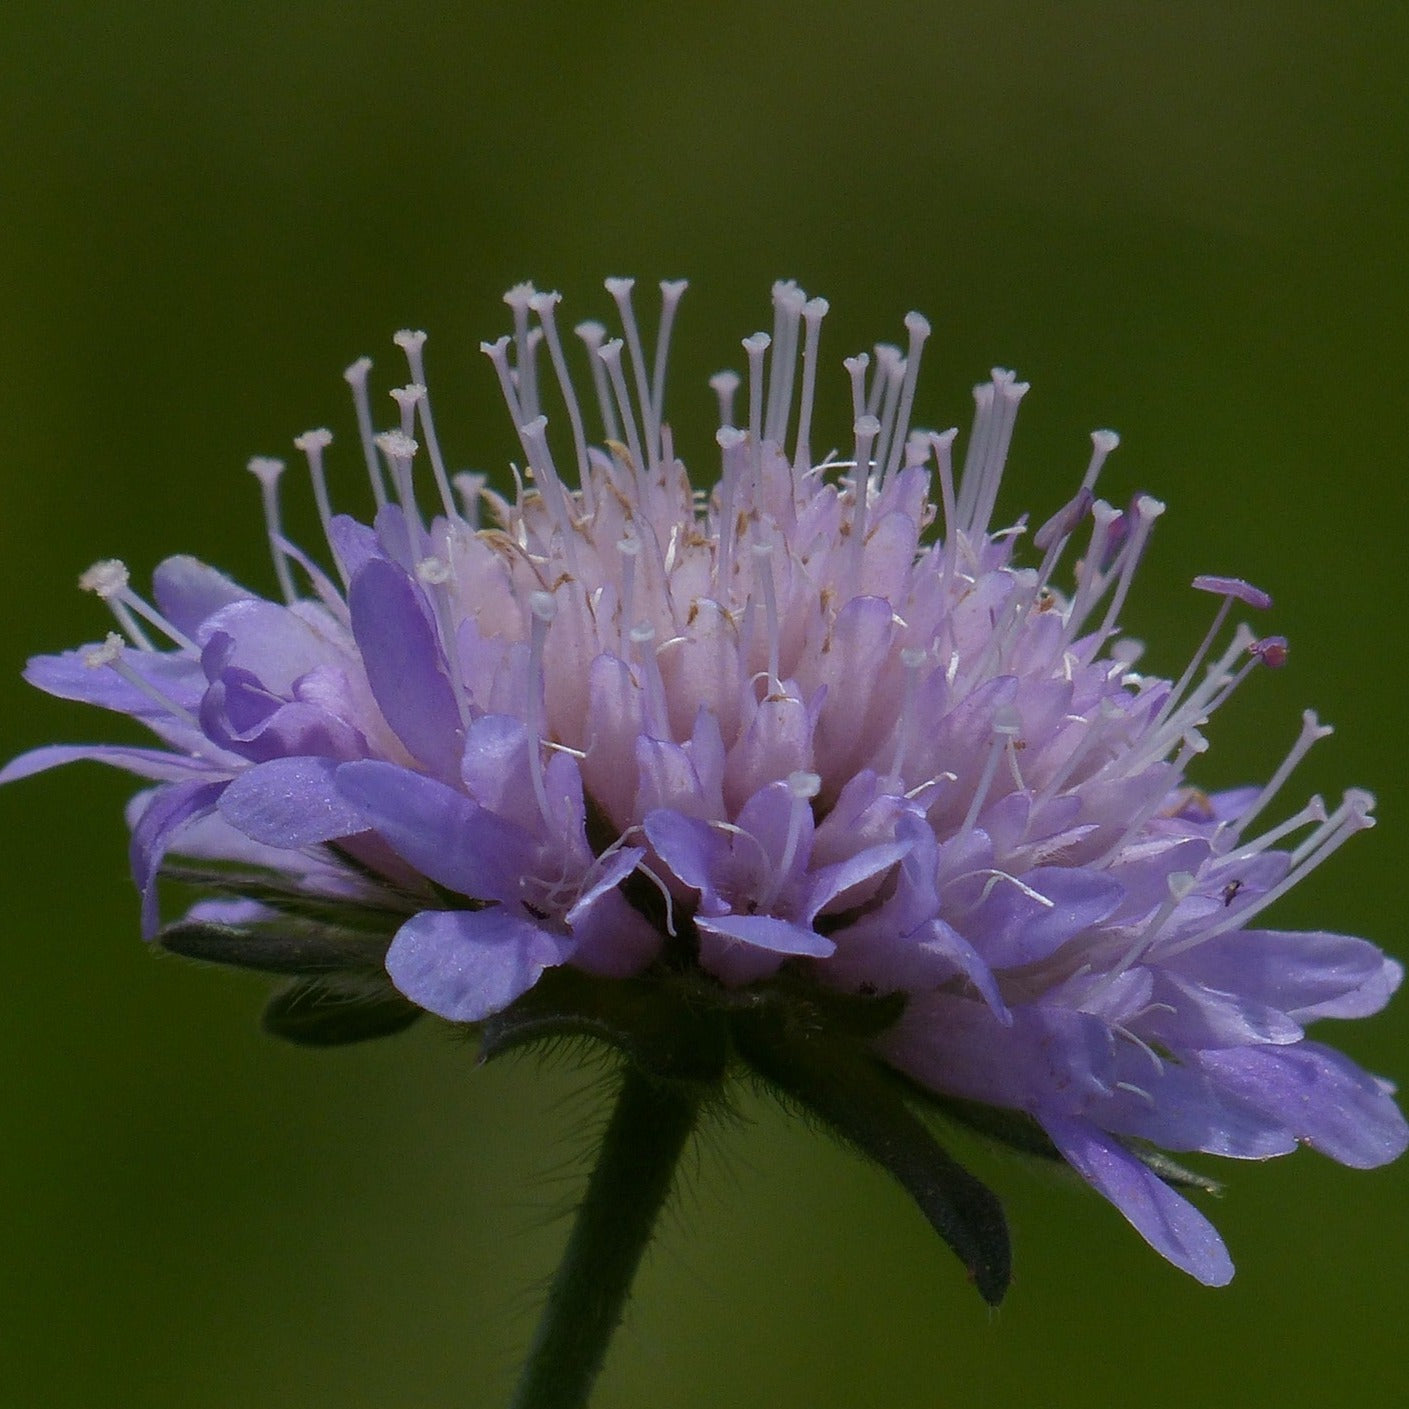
x=440, y=832
x=168, y=811
x=1188, y=1014
x=188, y=592
x=778, y=741
x=1012, y=928
x=833, y=881
x=692, y=850
x=767, y=817
x=1167, y=1221
x=852, y=669
x=1184, y=1108
x=769, y=933
x=566, y=819
x=145, y=763
x=1322, y=1097
x=947, y=941
x=494, y=768
x=402, y=655
x=394, y=535
x=353, y=543
x=863, y=815
x=274, y=644
x=212, y=838
x=875, y=952
x=241, y=716
x=613, y=938
x=1047, y=1059
x=290, y=803
x=620, y=865
x=67, y=677
x=667, y=779
x=220, y=910
x=466, y=964
x=1308, y=975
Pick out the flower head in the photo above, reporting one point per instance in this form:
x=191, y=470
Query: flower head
x=818, y=725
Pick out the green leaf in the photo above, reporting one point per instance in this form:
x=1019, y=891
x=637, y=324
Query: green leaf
x=316, y=1013
x=837, y=1080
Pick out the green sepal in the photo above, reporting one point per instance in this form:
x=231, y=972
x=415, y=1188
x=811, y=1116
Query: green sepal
x=857, y=1016
x=839, y=1082
x=281, y=945
x=314, y=1012
x=381, y=911
x=654, y=1024
x=1014, y=1130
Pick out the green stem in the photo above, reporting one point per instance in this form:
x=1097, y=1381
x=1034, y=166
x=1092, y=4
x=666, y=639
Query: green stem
x=635, y=1168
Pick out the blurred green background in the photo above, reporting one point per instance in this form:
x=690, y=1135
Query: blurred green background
x=1187, y=222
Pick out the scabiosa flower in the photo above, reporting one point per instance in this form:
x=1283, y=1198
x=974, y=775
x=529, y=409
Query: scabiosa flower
x=811, y=768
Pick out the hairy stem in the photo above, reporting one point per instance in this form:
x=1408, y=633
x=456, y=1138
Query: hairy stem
x=630, y=1183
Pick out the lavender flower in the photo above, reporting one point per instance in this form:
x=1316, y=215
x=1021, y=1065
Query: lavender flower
x=819, y=730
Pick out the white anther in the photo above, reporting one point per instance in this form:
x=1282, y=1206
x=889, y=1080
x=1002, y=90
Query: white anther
x=433, y=571
x=408, y=398
x=319, y=439
x=395, y=445
x=1147, y=510
x=788, y=301
x=856, y=370
x=1007, y=721
x=1102, y=443
x=1351, y=817
x=803, y=786
x=725, y=385
x=109, y=653
x=109, y=580
x=106, y=578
